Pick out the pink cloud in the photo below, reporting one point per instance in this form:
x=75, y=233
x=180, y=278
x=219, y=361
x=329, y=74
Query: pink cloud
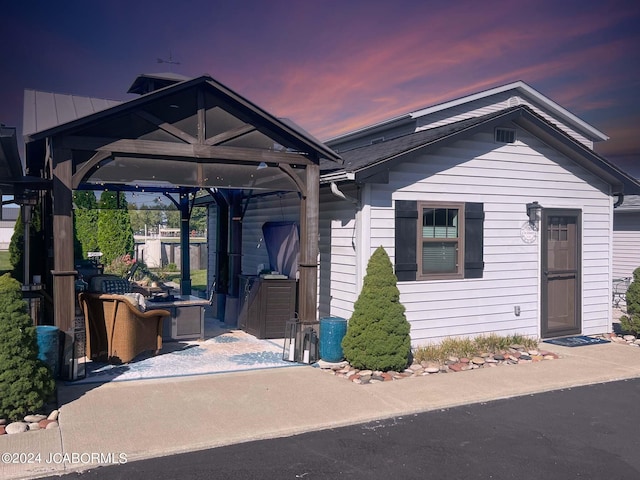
x=387, y=76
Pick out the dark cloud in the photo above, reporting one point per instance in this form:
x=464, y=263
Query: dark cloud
x=333, y=66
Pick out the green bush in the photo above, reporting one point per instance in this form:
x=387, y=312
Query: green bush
x=377, y=335
x=121, y=265
x=36, y=246
x=115, y=236
x=631, y=322
x=85, y=222
x=26, y=382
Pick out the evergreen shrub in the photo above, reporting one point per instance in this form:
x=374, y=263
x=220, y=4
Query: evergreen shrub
x=26, y=383
x=631, y=323
x=377, y=336
x=85, y=221
x=36, y=246
x=115, y=235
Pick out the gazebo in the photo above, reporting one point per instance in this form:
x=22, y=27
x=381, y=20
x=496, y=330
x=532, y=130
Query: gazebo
x=180, y=136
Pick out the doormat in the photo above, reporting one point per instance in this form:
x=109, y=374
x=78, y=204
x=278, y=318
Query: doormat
x=576, y=341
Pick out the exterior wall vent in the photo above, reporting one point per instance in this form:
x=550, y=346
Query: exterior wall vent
x=377, y=140
x=505, y=135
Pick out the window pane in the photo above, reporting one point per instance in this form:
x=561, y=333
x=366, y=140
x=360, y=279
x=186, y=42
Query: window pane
x=440, y=223
x=439, y=257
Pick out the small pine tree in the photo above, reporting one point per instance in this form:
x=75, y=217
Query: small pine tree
x=115, y=236
x=631, y=323
x=377, y=335
x=26, y=382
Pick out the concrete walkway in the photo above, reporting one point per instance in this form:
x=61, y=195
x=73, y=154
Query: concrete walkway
x=128, y=421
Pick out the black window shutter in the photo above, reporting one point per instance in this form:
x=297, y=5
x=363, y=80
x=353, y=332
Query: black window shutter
x=406, y=231
x=473, y=240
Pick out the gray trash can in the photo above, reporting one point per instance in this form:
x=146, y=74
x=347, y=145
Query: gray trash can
x=332, y=331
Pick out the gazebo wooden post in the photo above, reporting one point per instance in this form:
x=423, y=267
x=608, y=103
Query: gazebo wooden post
x=63, y=272
x=309, y=218
x=185, y=264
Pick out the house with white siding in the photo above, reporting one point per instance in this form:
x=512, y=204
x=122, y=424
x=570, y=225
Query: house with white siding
x=494, y=209
x=7, y=226
x=626, y=237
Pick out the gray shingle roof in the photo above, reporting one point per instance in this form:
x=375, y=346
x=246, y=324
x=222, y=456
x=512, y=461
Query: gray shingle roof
x=376, y=159
x=370, y=154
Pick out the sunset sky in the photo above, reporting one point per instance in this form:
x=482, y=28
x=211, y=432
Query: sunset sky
x=333, y=66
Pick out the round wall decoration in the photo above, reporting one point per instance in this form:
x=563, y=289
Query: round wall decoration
x=528, y=233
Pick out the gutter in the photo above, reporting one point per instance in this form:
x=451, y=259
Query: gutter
x=337, y=177
x=619, y=201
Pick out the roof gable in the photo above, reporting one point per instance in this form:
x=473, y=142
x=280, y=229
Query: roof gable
x=181, y=97
x=470, y=106
x=371, y=163
x=522, y=89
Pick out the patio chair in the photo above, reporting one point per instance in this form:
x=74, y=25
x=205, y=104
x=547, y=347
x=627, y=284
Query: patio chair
x=116, y=330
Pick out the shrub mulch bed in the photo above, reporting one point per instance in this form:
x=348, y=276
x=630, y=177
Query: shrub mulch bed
x=515, y=355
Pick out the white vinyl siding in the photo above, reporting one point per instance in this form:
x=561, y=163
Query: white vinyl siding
x=505, y=178
x=337, y=258
x=269, y=208
x=337, y=245
x=626, y=243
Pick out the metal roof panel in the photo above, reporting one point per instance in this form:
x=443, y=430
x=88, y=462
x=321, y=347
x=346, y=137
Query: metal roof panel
x=44, y=110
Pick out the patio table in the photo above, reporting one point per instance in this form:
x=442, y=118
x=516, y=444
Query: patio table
x=187, y=317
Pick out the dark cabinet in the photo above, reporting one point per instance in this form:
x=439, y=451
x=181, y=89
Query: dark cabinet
x=266, y=305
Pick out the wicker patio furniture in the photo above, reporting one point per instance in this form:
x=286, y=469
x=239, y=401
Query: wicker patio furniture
x=116, y=330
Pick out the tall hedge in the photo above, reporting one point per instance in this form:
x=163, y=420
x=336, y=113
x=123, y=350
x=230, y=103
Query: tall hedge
x=36, y=245
x=26, y=382
x=85, y=217
x=115, y=236
x=631, y=322
x=377, y=335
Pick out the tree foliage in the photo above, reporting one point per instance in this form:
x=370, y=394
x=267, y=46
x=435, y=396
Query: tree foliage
x=115, y=236
x=631, y=322
x=377, y=335
x=85, y=217
x=26, y=382
x=36, y=246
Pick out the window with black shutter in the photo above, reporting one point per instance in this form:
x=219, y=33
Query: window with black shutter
x=436, y=240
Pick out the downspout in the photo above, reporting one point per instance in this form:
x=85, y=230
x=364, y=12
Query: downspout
x=619, y=201
x=340, y=194
x=356, y=237
x=336, y=191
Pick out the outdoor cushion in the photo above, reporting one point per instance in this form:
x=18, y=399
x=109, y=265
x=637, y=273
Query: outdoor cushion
x=136, y=299
x=95, y=283
x=117, y=287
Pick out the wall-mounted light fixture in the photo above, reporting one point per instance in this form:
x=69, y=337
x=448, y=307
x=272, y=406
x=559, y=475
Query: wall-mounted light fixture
x=533, y=212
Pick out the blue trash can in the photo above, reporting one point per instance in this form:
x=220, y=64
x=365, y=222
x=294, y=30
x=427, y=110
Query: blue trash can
x=332, y=331
x=48, y=347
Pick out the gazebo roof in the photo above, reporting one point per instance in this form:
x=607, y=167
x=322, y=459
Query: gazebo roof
x=193, y=133
x=149, y=82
